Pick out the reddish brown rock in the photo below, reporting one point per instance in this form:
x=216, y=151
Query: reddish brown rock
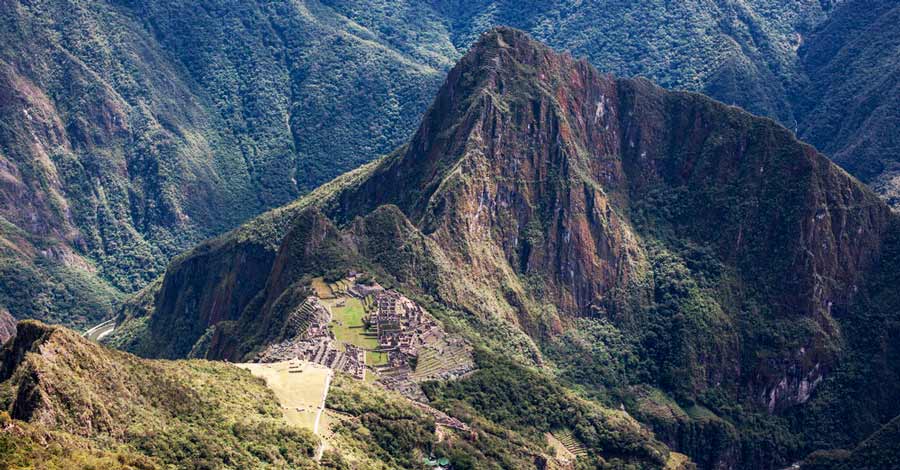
x=7, y=326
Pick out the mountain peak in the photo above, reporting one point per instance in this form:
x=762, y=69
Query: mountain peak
x=533, y=163
x=534, y=180
x=512, y=52
x=505, y=37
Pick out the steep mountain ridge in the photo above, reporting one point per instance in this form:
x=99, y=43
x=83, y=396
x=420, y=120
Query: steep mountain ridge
x=532, y=122
x=539, y=193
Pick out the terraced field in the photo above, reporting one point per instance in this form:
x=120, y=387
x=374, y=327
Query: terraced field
x=340, y=287
x=571, y=444
x=562, y=453
x=299, y=321
x=439, y=357
x=323, y=291
x=678, y=461
x=369, y=303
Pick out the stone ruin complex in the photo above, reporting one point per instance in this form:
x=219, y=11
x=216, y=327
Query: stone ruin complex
x=417, y=347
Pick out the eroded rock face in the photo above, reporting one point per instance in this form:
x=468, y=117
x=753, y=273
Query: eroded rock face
x=203, y=290
x=7, y=326
x=800, y=378
x=541, y=157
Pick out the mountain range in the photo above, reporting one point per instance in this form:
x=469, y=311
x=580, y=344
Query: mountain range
x=654, y=277
x=137, y=129
x=674, y=253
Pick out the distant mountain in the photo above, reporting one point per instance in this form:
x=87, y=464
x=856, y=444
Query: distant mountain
x=722, y=279
x=138, y=128
x=135, y=129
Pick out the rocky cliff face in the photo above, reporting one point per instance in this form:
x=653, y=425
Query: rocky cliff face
x=523, y=143
x=7, y=326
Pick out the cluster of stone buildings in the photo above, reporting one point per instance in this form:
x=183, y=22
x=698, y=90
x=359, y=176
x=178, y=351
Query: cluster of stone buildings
x=417, y=348
x=316, y=343
x=403, y=327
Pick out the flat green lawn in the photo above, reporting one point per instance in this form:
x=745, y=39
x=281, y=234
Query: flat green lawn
x=347, y=325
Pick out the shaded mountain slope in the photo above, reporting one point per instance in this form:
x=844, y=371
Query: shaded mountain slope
x=538, y=194
x=881, y=450
x=878, y=451
x=853, y=96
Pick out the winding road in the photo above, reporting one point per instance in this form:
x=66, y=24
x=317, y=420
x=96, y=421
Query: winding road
x=98, y=332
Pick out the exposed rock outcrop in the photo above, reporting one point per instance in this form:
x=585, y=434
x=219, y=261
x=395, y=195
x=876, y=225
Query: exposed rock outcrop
x=7, y=326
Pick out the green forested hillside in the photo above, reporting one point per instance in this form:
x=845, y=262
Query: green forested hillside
x=694, y=266
x=67, y=403
x=851, y=105
x=134, y=129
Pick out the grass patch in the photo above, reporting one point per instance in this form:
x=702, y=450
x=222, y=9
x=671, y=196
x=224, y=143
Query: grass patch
x=299, y=386
x=348, y=327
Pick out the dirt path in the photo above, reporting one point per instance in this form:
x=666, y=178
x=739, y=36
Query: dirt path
x=321, y=407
